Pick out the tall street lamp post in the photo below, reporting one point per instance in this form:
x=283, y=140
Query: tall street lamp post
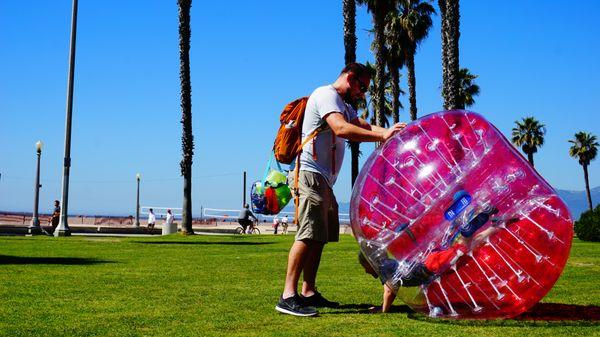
x=35, y=228
x=63, y=227
x=137, y=205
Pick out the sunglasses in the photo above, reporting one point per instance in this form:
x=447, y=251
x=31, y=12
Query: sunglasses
x=363, y=87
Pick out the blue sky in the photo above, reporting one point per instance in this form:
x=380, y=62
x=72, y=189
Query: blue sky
x=534, y=58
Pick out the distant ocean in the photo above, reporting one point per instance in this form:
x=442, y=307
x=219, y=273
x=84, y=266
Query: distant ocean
x=575, y=200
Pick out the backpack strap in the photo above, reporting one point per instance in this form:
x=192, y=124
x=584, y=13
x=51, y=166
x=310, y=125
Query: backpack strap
x=296, y=192
x=297, y=169
x=333, y=148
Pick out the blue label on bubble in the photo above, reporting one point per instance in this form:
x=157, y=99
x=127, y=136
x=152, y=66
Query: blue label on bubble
x=458, y=206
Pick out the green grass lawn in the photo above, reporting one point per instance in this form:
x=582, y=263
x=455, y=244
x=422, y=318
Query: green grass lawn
x=227, y=285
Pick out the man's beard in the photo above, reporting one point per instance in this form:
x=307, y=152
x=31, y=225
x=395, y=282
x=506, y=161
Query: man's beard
x=349, y=99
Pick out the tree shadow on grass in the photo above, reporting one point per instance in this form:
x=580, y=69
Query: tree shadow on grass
x=364, y=308
x=7, y=259
x=542, y=314
x=561, y=312
x=240, y=243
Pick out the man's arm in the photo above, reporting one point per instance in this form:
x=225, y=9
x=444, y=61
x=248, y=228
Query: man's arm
x=355, y=133
x=388, y=298
x=251, y=215
x=365, y=125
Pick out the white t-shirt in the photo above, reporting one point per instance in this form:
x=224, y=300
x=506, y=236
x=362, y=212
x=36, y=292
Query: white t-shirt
x=151, y=218
x=169, y=219
x=321, y=102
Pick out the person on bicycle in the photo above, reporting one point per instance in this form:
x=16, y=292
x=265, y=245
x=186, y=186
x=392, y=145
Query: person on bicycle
x=244, y=219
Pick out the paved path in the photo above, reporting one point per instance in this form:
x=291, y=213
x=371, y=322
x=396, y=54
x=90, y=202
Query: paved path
x=129, y=231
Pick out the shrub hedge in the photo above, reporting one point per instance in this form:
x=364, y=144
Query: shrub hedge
x=588, y=226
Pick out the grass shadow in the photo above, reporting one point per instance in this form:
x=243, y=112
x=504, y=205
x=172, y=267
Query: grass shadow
x=542, y=314
x=7, y=259
x=561, y=312
x=364, y=308
x=240, y=243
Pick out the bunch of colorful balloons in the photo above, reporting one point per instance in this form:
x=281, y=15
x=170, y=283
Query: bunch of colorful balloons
x=272, y=195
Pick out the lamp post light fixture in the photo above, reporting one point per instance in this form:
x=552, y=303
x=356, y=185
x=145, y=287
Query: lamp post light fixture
x=34, y=227
x=137, y=204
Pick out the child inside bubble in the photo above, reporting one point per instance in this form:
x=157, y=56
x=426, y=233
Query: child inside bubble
x=392, y=275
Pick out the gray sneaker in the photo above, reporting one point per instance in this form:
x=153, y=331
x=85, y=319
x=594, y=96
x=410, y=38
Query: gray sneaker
x=295, y=306
x=317, y=300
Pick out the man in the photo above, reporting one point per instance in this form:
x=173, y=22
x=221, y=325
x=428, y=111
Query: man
x=169, y=227
x=55, y=217
x=245, y=216
x=284, y=224
x=151, y=220
x=320, y=163
x=275, y=224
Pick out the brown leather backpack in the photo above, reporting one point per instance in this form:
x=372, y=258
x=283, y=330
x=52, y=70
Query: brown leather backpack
x=289, y=136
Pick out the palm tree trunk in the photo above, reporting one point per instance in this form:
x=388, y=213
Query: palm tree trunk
x=355, y=153
x=453, y=29
x=412, y=83
x=587, y=186
x=349, y=8
x=395, y=74
x=378, y=18
x=530, y=158
x=444, y=38
x=187, y=138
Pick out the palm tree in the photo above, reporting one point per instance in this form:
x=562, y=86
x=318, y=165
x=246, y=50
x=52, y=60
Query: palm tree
x=414, y=18
x=349, y=11
x=467, y=90
x=349, y=8
x=450, y=53
x=442, y=5
x=370, y=103
x=187, y=138
x=585, y=148
x=395, y=38
x=529, y=135
x=379, y=9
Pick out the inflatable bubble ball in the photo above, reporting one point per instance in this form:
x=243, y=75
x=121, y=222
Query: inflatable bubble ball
x=455, y=220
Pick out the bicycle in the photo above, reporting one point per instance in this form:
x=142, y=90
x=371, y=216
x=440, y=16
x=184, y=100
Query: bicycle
x=254, y=229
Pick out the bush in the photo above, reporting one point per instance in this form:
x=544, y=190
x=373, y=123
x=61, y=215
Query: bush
x=588, y=226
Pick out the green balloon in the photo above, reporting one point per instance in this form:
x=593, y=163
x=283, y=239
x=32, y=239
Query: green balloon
x=259, y=188
x=284, y=195
x=275, y=178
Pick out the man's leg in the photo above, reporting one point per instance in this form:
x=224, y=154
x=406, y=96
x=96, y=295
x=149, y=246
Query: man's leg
x=329, y=232
x=311, y=266
x=290, y=302
x=296, y=261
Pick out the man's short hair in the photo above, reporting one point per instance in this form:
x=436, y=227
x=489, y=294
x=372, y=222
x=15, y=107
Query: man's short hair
x=358, y=69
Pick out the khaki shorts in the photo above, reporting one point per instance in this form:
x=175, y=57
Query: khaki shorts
x=318, y=217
